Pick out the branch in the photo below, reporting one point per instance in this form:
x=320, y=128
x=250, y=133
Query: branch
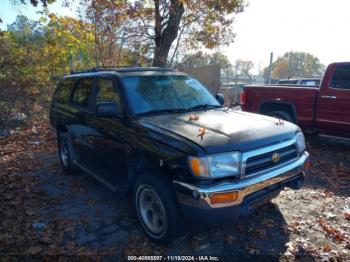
x=191, y=21
x=177, y=46
x=145, y=25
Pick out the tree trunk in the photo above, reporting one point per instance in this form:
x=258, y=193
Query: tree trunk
x=160, y=55
x=164, y=39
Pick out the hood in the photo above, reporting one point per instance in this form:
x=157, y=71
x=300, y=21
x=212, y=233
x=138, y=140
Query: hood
x=225, y=129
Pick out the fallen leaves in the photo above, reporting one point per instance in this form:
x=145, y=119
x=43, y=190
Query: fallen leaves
x=193, y=117
x=21, y=197
x=33, y=250
x=202, y=132
x=327, y=247
x=318, y=213
x=330, y=230
x=347, y=215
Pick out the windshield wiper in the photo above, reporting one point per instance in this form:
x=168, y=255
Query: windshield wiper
x=204, y=106
x=157, y=111
x=179, y=110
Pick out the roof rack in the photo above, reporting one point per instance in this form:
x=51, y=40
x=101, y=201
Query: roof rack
x=97, y=69
x=121, y=69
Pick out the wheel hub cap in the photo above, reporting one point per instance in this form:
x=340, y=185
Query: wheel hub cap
x=152, y=211
x=64, y=154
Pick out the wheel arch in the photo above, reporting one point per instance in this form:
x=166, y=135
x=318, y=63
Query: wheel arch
x=142, y=163
x=139, y=163
x=267, y=107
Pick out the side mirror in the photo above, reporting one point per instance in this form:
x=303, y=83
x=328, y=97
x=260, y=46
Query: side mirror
x=107, y=109
x=220, y=98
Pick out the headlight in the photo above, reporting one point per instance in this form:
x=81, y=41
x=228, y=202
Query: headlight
x=216, y=166
x=300, y=142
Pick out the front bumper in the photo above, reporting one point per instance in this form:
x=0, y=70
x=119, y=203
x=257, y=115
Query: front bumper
x=260, y=186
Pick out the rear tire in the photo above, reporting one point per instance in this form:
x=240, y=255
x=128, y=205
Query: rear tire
x=157, y=208
x=282, y=115
x=66, y=153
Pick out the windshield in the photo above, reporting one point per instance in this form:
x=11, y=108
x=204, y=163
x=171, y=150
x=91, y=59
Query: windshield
x=157, y=94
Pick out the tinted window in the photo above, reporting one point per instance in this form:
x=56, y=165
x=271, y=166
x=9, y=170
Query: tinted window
x=63, y=90
x=106, y=92
x=288, y=82
x=82, y=93
x=341, y=77
x=310, y=82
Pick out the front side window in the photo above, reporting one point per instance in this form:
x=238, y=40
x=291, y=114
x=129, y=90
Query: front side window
x=152, y=94
x=82, y=93
x=106, y=92
x=341, y=77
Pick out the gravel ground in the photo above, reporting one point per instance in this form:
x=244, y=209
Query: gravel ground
x=73, y=215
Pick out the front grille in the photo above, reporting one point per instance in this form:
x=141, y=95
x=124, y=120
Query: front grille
x=256, y=164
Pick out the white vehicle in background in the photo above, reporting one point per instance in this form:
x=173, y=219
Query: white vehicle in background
x=314, y=81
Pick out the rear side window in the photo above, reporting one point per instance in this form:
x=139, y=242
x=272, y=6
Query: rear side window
x=63, y=90
x=341, y=77
x=82, y=93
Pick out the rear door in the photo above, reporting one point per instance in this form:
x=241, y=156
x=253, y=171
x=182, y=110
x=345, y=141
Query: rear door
x=81, y=111
x=333, y=108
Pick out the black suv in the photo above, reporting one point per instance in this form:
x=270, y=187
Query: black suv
x=160, y=136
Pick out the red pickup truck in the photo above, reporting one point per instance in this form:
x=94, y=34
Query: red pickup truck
x=325, y=109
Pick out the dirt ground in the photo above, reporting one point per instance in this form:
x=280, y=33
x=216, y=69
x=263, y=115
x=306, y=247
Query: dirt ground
x=44, y=213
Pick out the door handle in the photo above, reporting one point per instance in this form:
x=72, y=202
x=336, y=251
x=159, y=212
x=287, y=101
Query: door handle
x=329, y=97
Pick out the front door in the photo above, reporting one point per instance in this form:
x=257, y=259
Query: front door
x=333, y=108
x=108, y=138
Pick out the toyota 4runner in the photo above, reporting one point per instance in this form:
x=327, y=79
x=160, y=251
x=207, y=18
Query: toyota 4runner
x=160, y=136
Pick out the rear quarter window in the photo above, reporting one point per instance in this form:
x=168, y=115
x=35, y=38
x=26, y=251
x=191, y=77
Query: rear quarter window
x=63, y=90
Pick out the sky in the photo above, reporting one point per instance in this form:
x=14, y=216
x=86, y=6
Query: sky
x=9, y=12
x=319, y=27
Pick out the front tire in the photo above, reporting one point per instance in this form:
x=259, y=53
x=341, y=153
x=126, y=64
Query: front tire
x=157, y=208
x=66, y=153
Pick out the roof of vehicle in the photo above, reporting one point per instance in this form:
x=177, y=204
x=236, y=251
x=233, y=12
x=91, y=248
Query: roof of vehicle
x=126, y=71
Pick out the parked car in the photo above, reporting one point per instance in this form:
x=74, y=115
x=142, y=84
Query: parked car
x=325, y=110
x=161, y=137
x=315, y=81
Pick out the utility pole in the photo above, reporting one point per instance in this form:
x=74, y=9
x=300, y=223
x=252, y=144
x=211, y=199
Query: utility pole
x=270, y=68
x=71, y=64
x=227, y=73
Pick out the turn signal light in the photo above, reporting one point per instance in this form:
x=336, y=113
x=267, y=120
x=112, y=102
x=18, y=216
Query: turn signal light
x=199, y=167
x=217, y=198
x=196, y=166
